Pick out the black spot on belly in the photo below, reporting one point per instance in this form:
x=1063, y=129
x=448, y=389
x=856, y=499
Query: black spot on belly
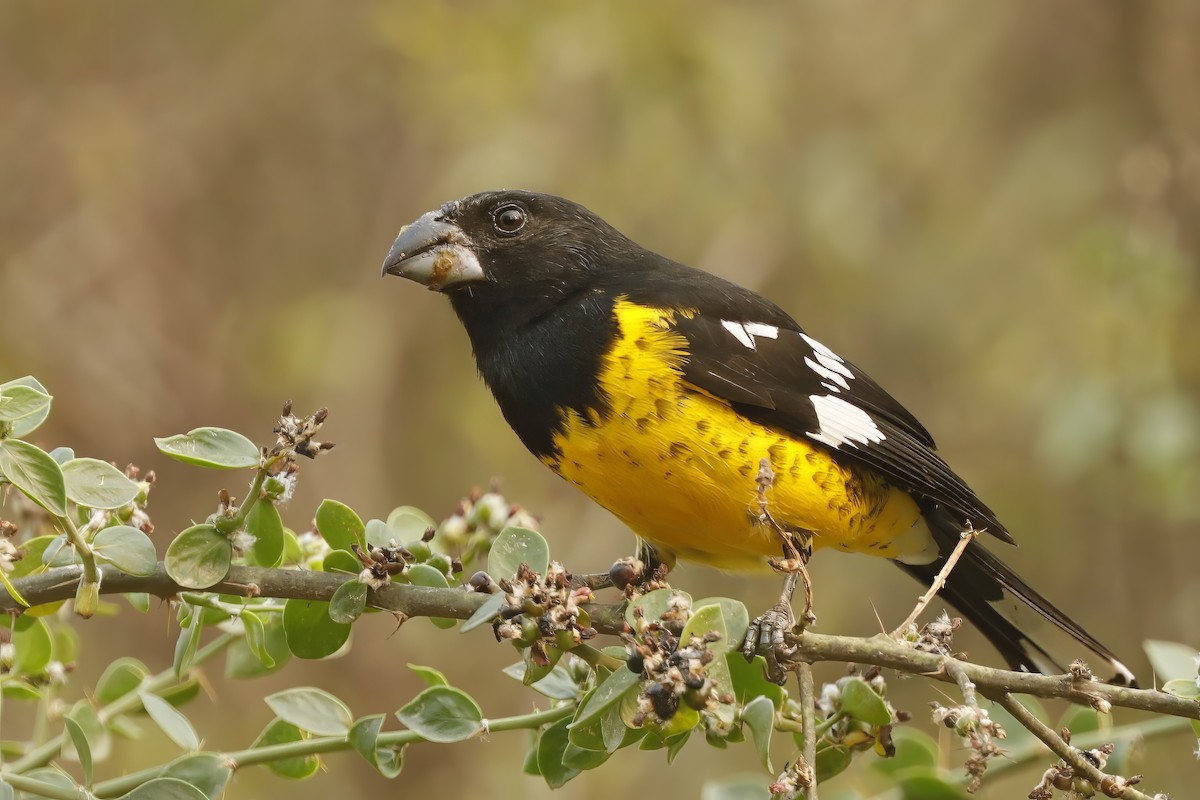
x=643, y=423
x=744, y=447
x=777, y=451
x=703, y=425
x=812, y=458
x=662, y=407
x=724, y=454
x=641, y=344
x=744, y=470
x=680, y=450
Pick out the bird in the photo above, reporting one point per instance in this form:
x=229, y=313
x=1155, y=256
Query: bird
x=659, y=389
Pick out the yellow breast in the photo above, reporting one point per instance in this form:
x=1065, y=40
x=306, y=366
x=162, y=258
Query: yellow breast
x=678, y=465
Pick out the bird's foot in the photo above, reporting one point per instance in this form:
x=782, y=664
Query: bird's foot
x=768, y=636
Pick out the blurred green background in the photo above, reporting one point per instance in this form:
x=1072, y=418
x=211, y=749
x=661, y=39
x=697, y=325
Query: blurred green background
x=991, y=208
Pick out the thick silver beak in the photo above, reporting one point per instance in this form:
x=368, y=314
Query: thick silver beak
x=433, y=252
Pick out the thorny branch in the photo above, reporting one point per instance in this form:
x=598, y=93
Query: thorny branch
x=422, y=601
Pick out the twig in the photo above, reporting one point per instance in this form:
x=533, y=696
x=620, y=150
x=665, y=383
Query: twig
x=965, y=538
x=1109, y=785
x=794, y=564
x=422, y=601
x=808, y=705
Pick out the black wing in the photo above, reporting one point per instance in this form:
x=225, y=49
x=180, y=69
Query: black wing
x=783, y=378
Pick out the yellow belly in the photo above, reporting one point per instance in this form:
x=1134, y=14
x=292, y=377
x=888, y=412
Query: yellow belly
x=678, y=466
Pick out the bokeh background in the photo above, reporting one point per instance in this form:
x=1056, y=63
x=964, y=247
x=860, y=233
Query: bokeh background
x=992, y=208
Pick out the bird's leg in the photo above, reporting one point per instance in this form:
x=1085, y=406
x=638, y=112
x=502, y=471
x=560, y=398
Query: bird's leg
x=768, y=633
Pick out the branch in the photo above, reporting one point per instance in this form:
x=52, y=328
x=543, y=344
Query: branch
x=422, y=601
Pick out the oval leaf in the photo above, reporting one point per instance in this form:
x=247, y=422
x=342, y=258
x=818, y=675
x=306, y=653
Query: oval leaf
x=165, y=789
x=407, y=522
x=33, y=648
x=216, y=448
x=442, y=714
x=127, y=549
x=348, y=602
x=199, y=557
x=516, y=546
x=208, y=772
x=608, y=693
x=173, y=723
x=97, y=484
x=863, y=703
x=310, y=631
x=339, y=525
x=265, y=524
x=28, y=424
x=388, y=760
x=83, y=750
x=312, y=710
x=121, y=677
x=18, y=401
x=759, y=717
x=425, y=575
x=280, y=732
x=35, y=473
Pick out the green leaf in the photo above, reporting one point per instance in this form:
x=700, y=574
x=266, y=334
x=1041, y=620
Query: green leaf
x=425, y=575
x=208, y=772
x=187, y=643
x=1171, y=659
x=18, y=402
x=97, y=484
x=652, y=605
x=121, y=677
x=99, y=742
x=736, y=788
x=62, y=455
x=312, y=710
x=265, y=524
x=83, y=750
x=173, y=723
x=557, y=685
x=552, y=747
x=431, y=676
x=348, y=602
x=924, y=783
x=485, y=613
x=1082, y=719
x=1180, y=687
x=442, y=714
x=706, y=619
x=831, y=761
x=15, y=688
x=736, y=618
x=165, y=789
x=35, y=473
x=241, y=661
x=6, y=791
x=580, y=759
x=33, y=648
x=341, y=561
x=280, y=732
x=759, y=717
x=127, y=549
x=363, y=737
x=256, y=637
x=339, y=525
x=310, y=631
x=914, y=748
x=862, y=702
x=749, y=680
x=516, y=546
x=407, y=522
x=215, y=448
x=608, y=693
x=28, y=424
x=199, y=557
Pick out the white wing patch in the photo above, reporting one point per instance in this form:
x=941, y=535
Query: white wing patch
x=843, y=423
x=829, y=365
x=745, y=332
x=739, y=332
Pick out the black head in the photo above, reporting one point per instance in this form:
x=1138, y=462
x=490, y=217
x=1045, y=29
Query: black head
x=518, y=252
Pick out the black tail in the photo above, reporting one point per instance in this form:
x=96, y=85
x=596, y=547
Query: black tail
x=980, y=579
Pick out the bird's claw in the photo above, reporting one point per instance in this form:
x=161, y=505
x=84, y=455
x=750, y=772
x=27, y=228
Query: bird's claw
x=768, y=636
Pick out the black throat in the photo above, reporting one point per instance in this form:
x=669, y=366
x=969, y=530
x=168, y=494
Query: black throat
x=539, y=359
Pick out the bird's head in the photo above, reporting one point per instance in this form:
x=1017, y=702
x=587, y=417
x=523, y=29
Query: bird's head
x=502, y=243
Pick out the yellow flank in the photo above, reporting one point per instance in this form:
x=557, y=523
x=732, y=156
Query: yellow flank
x=678, y=465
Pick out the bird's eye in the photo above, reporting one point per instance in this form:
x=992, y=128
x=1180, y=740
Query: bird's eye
x=509, y=219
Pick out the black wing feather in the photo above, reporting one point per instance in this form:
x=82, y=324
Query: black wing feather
x=774, y=383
